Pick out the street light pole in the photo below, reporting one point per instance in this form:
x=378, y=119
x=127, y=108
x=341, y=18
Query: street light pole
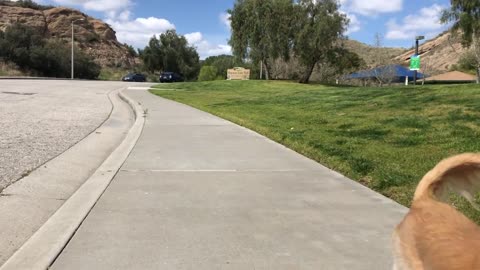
x=417, y=38
x=73, y=39
x=71, y=73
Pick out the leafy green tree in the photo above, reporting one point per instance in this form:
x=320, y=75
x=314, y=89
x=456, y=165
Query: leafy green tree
x=222, y=63
x=171, y=52
x=207, y=73
x=466, y=63
x=49, y=60
x=152, y=55
x=261, y=30
x=3, y=45
x=18, y=39
x=345, y=60
x=320, y=26
x=131, y=51
x=465, y=15
x=53, y=60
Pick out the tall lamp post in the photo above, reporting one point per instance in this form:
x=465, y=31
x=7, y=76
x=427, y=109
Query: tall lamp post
x=417, y=38
x=73, y=39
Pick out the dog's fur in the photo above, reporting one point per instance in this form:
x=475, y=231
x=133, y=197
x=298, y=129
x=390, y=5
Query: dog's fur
x=433, y=235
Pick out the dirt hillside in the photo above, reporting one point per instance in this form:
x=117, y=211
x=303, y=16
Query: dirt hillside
x=437, y=54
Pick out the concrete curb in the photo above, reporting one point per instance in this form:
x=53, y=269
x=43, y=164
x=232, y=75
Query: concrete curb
x=41, y=250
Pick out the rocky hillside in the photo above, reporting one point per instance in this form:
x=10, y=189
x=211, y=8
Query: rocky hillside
x=370, y=53
x=437, y=54
x=93, y=36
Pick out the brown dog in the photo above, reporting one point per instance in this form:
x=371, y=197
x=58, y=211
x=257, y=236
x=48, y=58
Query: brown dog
x=433, y=235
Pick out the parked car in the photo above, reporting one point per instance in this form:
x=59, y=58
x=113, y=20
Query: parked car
x=134, y=77
x=170, y=77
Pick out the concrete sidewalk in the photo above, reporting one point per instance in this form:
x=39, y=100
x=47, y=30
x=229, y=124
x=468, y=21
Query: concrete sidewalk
x=198, y=192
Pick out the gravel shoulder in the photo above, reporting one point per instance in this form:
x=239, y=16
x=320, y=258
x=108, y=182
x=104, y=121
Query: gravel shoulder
x=41, y=119
x=53, y=136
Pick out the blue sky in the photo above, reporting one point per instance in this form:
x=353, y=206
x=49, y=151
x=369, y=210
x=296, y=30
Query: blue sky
x=205, y=23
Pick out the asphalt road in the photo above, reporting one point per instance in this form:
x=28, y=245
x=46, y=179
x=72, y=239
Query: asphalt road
x=41, y=119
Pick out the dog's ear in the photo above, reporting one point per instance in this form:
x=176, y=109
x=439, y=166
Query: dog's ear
x=460, y=174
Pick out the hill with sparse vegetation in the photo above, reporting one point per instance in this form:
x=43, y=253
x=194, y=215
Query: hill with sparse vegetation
x=369, y=53
x=92, y=36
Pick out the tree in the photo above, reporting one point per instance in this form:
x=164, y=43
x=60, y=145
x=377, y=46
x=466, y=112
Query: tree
x=467, y=62
x=222, y=63
x=475, y=52
x=385, y=71
x=465, y=15
x=18, y=40
x=152, y=55
x=171, y=52
x=261, y=30
x=345, y=61
x=3, y=44
x=320, y=25
x=207, y=73
x=131, y=51
x=426, y=67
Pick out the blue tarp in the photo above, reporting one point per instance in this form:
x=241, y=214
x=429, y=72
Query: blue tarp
x=400, y=72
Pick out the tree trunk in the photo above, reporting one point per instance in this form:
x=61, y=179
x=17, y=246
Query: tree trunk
x=308, y=73
x=478, y=75
x=267, y=70
x=261, y=70
x=476, y=51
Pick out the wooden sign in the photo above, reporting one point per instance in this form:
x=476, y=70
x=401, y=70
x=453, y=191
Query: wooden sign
x=238, y=73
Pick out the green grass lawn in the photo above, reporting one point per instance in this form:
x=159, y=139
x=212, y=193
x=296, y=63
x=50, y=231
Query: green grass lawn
x=385, y=138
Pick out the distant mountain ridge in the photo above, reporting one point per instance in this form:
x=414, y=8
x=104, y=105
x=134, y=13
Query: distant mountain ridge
x=438, y=54
x=368, y=53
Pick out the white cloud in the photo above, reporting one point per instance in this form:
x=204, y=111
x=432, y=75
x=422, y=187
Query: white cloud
x=427, y=20
x=206, y=48
x=98, y=5
x=225, y=19
x=124, y=15
x=371, y=7
x=139, y=31
x=194, y=38
x=354, y=25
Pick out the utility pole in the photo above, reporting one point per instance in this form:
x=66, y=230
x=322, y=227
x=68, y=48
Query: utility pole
x=71, y=73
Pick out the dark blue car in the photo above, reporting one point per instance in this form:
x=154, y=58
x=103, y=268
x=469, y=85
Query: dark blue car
x=170, y=77
x=134, y=77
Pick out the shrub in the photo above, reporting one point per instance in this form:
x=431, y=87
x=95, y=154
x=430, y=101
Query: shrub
x=25, y=4
x=207, y=73
x=131, y=50
x=21, y=45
